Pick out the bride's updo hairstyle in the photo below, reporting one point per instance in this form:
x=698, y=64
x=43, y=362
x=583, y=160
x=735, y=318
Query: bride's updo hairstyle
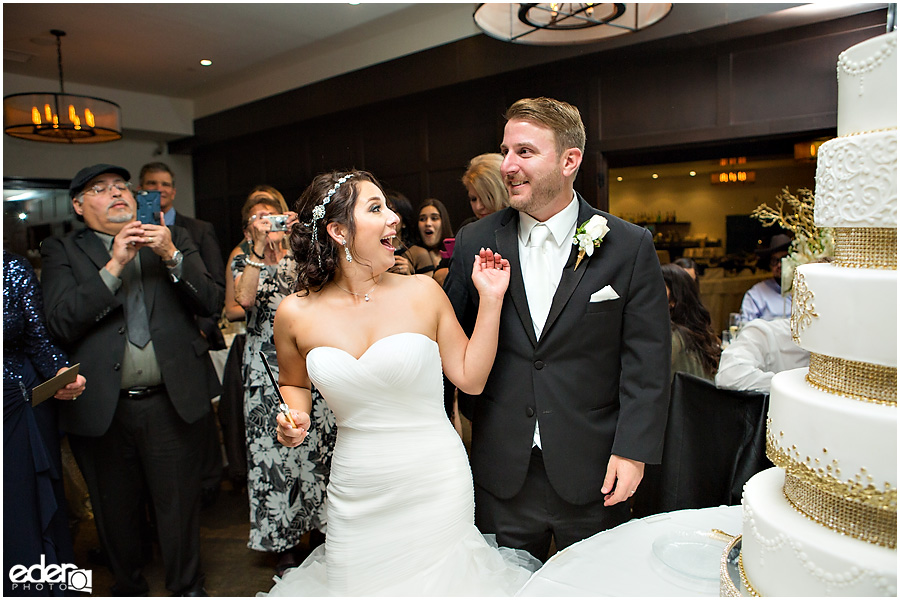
x=330, y=197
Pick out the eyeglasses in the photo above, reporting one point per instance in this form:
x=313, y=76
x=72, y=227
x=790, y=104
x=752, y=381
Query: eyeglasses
x=96, y=190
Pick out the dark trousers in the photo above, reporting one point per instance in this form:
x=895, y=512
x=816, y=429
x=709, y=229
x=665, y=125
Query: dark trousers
x=537, y=513
x=147, y=444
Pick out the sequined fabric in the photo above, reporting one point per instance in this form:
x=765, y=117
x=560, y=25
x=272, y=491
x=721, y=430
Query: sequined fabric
x=25, y=334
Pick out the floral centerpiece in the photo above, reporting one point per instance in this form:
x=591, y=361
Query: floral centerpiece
x=797, y=214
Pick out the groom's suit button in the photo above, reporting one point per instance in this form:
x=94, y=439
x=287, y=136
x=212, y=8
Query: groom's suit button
x=529, y=412
x=538, y=364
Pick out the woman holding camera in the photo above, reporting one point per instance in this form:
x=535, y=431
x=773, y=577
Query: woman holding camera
x=286, y=486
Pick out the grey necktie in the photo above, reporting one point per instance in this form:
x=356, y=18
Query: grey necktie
x=538, y=288
x=135, y=309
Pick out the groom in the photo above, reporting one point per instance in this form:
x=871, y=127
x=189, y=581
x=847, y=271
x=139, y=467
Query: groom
x=577, y=400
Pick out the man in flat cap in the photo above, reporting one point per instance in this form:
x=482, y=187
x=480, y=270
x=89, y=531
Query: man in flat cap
x=121, y=296
x=764, y=300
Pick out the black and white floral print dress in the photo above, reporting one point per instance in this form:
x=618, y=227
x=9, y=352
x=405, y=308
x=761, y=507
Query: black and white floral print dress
x=286, y=486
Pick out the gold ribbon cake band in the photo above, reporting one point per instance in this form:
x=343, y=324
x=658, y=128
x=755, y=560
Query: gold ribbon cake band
x=858, y=380
x=857, y=509
x=864, y=522
x=865, y=247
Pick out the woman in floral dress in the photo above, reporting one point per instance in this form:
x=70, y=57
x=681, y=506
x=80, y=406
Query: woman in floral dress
x=286, y=486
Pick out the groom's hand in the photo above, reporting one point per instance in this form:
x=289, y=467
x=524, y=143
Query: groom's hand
x=625, y=474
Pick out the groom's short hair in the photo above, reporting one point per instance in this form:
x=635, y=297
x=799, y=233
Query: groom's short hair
x=560, y=117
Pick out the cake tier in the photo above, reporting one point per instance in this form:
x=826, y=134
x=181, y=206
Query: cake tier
x=846, y=313
x=785, y=554
x=867, y=85
x=856, y=181
x=832, y=438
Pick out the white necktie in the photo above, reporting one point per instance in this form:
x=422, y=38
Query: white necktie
x=537, y=277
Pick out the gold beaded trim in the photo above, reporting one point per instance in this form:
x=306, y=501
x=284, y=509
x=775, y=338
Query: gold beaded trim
x=802, y=310
x=727, y=589
x=865, y=247
x=858, y=490
x=745, y=581
x=857, y=380
x=872, y=525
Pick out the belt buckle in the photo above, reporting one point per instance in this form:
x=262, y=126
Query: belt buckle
x=138, y=392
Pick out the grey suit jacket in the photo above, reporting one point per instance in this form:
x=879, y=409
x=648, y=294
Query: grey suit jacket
x=89, y=322
x=598, y=379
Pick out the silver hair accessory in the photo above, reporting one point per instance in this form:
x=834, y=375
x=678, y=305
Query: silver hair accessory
x=346, y=251
x=318, y=212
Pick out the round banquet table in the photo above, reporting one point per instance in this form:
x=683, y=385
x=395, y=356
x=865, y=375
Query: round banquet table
x=622, y=561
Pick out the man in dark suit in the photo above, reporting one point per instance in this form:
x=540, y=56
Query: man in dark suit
x=576, y=402
x=121, y=297
x=158, y=176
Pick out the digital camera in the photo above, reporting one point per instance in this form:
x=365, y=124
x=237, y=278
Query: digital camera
x=279, y=222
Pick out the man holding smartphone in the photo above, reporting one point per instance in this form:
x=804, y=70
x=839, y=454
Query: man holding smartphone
x=121, y=297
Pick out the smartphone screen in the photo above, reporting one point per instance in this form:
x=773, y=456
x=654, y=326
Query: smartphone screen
x=148, y=206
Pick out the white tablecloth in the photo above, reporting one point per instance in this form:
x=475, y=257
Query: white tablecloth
x=621, y=562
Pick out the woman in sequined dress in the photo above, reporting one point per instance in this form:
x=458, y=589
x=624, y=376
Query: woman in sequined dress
x=34, y=512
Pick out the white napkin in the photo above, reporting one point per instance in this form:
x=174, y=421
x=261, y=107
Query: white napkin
x=607, y=293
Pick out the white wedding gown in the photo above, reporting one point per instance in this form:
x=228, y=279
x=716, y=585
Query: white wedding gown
x=400, y=503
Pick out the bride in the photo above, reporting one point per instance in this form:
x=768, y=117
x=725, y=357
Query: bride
x=400, y=504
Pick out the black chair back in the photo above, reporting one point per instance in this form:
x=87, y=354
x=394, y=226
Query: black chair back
x=715, y=441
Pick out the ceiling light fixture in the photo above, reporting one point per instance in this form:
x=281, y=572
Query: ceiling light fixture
x=206, y=62
x=561, y=23
x=62, y=117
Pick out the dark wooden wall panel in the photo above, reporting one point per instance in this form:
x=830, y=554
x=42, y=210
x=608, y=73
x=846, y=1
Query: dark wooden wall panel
x=762, y=93
x=656, y=96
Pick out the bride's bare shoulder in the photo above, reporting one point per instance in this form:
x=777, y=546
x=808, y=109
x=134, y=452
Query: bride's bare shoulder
x=296, y=304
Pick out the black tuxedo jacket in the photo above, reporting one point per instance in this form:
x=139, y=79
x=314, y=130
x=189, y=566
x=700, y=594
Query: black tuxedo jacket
x=204, y=237
x=89, y=322
x=598, y=379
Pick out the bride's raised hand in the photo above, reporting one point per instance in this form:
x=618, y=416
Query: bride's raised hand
x=490, y=273
x=293, y=436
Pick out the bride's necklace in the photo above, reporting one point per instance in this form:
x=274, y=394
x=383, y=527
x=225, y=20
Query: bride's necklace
x=365, y=295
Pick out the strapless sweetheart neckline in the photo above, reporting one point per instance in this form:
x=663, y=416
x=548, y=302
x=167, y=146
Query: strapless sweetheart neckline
x=373, y=344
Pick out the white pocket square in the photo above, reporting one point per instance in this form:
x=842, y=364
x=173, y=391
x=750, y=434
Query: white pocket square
x=607, y=293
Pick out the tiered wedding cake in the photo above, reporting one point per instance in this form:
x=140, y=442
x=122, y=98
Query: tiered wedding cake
x=824, y=521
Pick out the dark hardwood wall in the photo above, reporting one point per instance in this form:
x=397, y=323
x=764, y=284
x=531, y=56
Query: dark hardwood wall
x=416, y=121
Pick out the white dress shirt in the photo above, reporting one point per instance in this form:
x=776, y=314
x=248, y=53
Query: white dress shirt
x=562, y=227
x=761, y=349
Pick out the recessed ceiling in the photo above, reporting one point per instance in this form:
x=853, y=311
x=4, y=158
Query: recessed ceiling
x=157, y=48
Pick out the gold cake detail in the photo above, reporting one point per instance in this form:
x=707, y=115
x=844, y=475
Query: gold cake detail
x=864, y=522
x=865, y=247
x=802, y=309
x=854, y=379
x=859, y=489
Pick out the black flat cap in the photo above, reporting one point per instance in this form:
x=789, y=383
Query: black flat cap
x=780, y=242
x=83, y=176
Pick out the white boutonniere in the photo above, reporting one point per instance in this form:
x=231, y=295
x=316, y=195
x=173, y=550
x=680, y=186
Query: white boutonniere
x=588, y=236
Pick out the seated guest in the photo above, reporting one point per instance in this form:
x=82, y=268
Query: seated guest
x=433, y=228
x=763, y=349
x=764, y=300
x=688, y=265
x=695, y=348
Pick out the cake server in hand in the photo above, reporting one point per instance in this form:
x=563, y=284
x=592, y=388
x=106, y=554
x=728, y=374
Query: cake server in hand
x=282, y=405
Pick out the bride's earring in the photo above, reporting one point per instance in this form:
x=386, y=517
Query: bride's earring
x=347, y=251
